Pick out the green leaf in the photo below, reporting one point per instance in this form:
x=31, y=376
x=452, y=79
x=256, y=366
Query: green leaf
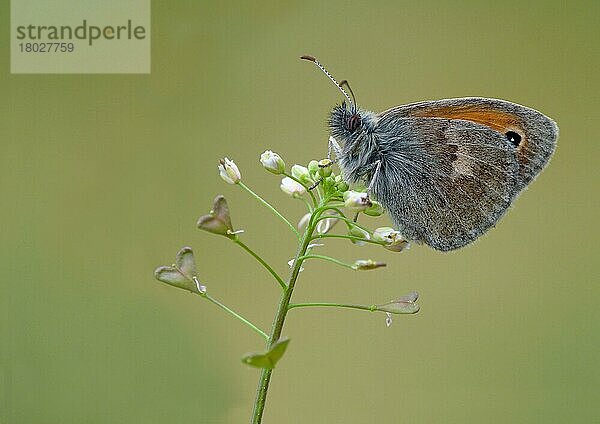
x=404, y=305
x=269, y=359
x=182, y=274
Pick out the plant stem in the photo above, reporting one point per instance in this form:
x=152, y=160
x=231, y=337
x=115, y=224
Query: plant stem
x=370, y=308
x=236, y=315
x=271, y=208
x=306, y=202
x=352, y=223
x=265, y=376
x=330, y=259
x=341, y=236
x=261, y=261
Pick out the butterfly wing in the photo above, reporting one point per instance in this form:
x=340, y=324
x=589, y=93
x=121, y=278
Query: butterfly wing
x=532, y=133
x=443, y=181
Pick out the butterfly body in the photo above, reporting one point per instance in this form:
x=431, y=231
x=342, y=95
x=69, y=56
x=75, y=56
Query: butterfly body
x=446, y=171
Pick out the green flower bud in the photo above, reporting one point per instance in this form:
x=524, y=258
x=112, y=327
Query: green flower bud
x=374, y=210
x=313, y=166
x=342, y=186
x=325, y=167
x=359, y=232
x=300, y=172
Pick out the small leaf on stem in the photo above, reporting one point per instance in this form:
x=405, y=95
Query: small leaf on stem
x=269, y=359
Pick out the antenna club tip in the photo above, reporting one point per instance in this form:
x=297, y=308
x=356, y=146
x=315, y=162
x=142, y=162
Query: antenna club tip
x=308, y=57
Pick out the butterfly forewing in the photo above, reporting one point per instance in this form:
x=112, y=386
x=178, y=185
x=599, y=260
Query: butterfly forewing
x=532, y=134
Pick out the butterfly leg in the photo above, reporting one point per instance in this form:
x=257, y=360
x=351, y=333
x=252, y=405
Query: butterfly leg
x=335, y=146
x=374, y=177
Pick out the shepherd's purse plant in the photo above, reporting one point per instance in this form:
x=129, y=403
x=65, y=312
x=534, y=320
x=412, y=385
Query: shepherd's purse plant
x=330, y=204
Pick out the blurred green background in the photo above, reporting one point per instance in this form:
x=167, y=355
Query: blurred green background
x=103, y=177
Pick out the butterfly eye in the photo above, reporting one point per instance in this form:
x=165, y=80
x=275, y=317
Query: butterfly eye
x=353, y=122
x=514, y=138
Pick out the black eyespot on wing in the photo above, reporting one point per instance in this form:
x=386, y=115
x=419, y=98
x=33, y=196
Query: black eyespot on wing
x=353, y=122
x=514, y=138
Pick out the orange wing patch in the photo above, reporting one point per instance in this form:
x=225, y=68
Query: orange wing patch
x=502, y=122
x=498, y=121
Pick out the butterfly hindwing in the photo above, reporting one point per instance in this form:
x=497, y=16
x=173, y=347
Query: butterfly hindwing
x=444, y=181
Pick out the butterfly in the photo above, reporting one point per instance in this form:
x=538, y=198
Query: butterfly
x=445, y=170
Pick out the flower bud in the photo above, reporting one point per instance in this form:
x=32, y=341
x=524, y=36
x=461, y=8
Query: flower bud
x=291, y=187
x=367, y=264
x=374, y=210
x=272, y=162
x=229, y=171
x=342, y=186
x=301, y=172
x=313, y=166
x=325, y=167
x=356, y=201
x=392, y=238
x=359, y=232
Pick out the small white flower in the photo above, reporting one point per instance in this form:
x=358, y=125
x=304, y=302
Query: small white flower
x=392, y=238
x=291, y=187
x=356, y=201
x=229, y=171
x=272, y=162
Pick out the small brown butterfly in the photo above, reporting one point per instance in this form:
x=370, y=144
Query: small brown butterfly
x=445, y=170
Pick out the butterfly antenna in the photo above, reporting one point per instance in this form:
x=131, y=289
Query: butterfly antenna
x=326, y=72
x=347, y=84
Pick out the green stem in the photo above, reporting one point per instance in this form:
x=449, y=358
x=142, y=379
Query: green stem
x=261, y=261
x=341, y=236
x=371, y=308
x=328, y=258
x=308, y=205
x=265, y=376
x=314, y=200
x=352, y=223
x=236, y=315
x=271, y=208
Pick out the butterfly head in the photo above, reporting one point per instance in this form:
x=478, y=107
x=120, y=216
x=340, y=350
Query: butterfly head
x=345, y=121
